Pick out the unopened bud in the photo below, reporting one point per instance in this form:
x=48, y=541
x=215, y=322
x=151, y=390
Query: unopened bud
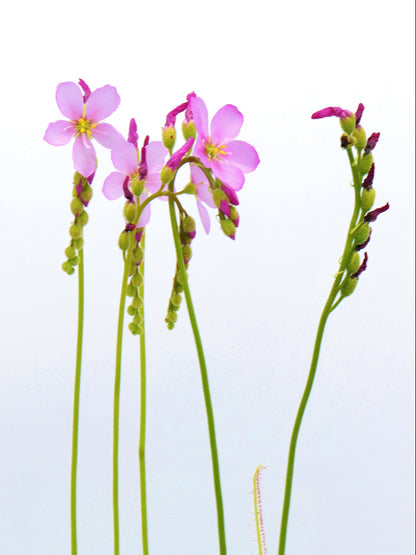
x=86, y=193
x=169, y=137
x=74, y=261
x=70, y=252
x=228, y=228
x=362, y=233
x=137, y=186
x=189, y=130
x=365, y=163
x=188, y=225
x=134, y=328
x=217, y=196
x=75, y=231
x=137, y=302
x=187, y=253
x=349, y=286
x=78, y=243
x=77, y=178
x=137, y=279
x=354, y=263
x=348, y=124
x=176, y=300
x=137, y=255
x=359, y=135
x=68, y=268
x=367, y=199
x=131, y=290
x=124, y=240
x=82, y=218
x=76, y=206
x=129, y=212
x=131, y=310
x=171, y=317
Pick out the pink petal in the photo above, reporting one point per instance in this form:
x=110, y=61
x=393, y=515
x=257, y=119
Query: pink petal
x=59, y=132
x=152, y=182
x=203, y=214
x=229, y=175
x=226, y=124
x=102, y=103
x=156, y=153
x=145, y=215
x=113, y=186
x=202, y=186
x=108, y=136
x=125, y=159
x=242, y=155
x=199, y=151
x=200, y=113
x=83, y=155
x=70, y=100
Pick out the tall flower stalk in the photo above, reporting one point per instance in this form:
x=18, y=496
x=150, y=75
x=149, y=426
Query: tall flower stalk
x=350, y=266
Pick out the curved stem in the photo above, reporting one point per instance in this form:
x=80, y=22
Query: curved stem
x=77, y=387
x=205, y=383
x=315, y=356
x=116, y=410
x=142, y=438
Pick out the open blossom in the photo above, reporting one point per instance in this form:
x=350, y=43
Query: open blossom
x=228, y=159
x=203, y=195
x=85, y=113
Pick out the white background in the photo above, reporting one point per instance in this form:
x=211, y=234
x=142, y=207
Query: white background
x=258, y=300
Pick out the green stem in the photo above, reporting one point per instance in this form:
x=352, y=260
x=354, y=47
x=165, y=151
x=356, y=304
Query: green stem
x=142, y=438
x=77, y=387
x=322, y=322
x=116, y=412
x=205, y=383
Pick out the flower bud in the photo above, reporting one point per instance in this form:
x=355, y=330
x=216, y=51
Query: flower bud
x=68, y=268
x=218, y=195
x=359, y=135
x=131, y=310
x=189, y=130
x=137, y=319
x=187, y=253
x=131, y=290
x=367, y=199
x=190, y=189
x=349, y=286
x=77, y=178
x=354, y=263
x=361, y=234
x=74, y=261
x=176, y=300
x=78, y=243
x=137, y=255
x=171, y=317
x=86, y=194
x=169, y=137
x=82, y=218
x=137, y=186
x=137, y=279
x=188, y=225
x=365, y=163
x=134, y=328
x=137, y=302
x=228, y=228
x=76, y=206
x=348, y=124
x=124, y=240
x=75, y=231
x=70, y=252
x=166, y=175
x=129, y=212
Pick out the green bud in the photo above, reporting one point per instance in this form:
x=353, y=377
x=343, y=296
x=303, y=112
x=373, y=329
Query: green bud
x=137, y=319
x=176, y=300
x=367, y=199
x=362, y=233
x=166, y=175
x=187, y=253
x=188, y=224
x=354, y=263
x=78, y=243
x=360, y=137
x=68, y=268
x=124, y=240
x=365, y=163
x=228, y=227
x=171, y=317
x=131, y=290
x=349, y=286
x=70, y=252
x=82, y=218
x=217, y=196
x=170, y=325
x=169, y=137
x=76, y=206
x=129, y=212
x=137, y=186
x=190, y=189
x=75, y=231
x=137, y=279
x=77, y=178
x=233, y=213
x=131, y=310
x=137, y=302
x=137, y=255
x=74, y=261
x=134, y=328
x=86, y=193
x=348, y=124
x=188, y=130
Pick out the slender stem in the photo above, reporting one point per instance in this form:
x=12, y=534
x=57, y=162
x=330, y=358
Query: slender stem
x=322, y=322
x=142, y=438
x=205, y=383
x=116, y=413
x=77, y=387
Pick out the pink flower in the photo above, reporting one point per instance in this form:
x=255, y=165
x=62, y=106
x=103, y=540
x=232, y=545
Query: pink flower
x=85, y=114
x=228, y=159
x=203, y=195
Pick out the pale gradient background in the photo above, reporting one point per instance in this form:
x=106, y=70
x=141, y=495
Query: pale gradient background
x=258, y=300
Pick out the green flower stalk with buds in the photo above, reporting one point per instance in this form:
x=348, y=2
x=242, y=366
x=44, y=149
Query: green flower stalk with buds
x=359, y=152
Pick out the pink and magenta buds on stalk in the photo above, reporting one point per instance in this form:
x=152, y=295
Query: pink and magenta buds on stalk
x=84, y=113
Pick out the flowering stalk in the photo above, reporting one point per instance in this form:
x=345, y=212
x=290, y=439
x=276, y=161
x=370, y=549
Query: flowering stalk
x=346, y=278
x=204, y=375
x=258, y=511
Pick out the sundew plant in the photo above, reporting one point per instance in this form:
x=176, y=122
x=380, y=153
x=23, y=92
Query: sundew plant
x=207, y=161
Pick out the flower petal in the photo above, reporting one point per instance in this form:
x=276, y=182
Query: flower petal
x=113, y=185
x=83, y=155
x=108, y=136
x=202, y=186
x=102, y=103
x=145, y=215
x=70, y=100
x=125, y=159
x=200, y=113
x=242, y=155
x=156, y=153
x=152, y=182
x=203, y=214
x=226, y=124
x=229, y=175
x=59, y=132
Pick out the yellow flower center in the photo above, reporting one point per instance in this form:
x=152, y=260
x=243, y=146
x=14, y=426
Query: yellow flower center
x=84, y=126
x=214, y=151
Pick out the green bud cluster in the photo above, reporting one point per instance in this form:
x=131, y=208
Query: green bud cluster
x=174, y=301
x=135, y=308
x=81, y=195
